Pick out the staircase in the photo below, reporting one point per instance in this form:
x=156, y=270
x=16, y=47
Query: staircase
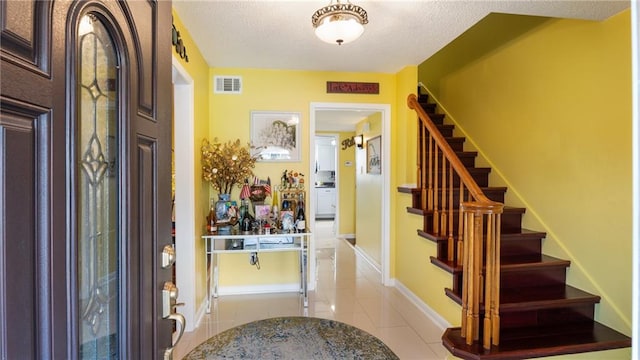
x=539, y=314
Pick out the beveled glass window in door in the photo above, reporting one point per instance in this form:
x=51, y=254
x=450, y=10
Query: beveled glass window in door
x=97, y=191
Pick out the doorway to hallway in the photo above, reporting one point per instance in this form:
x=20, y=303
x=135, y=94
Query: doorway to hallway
x=383, y=111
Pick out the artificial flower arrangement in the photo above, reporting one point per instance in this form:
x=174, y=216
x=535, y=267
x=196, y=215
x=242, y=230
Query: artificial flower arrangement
x=225, y=165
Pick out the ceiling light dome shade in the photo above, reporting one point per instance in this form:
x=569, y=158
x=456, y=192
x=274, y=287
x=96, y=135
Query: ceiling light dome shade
x=339, y=23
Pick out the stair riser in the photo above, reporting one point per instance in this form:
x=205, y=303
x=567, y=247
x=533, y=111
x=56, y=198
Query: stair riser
x=446, y=131
x=456, y=144
x=534, y=277
x=429, y=108
x=481, y=177
x=508, y=248
x=495, y=195
x=510, y=223
x=468, y=161
x=520, y=279
x=521, y=247
x=561, y=313
x=437, y=119
x=545, y=317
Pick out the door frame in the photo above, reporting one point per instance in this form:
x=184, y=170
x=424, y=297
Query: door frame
x=184, y=160
x=385, y=109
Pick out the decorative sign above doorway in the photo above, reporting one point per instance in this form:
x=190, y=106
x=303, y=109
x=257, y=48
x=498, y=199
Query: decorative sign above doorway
x=177, y=43
x=347, y=87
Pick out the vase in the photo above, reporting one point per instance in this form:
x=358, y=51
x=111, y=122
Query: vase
x=222, y=207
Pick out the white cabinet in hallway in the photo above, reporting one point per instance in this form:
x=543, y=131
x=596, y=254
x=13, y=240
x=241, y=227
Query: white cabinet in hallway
x=325, y=153
x=325, y=203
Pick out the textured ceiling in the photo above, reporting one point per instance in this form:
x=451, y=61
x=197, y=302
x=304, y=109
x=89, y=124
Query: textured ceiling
x=279, y=35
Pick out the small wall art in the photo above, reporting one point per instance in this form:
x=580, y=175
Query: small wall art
x=275, y=136
x=374, y=155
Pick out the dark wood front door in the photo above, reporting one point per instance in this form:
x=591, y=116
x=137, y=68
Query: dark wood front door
x=85, y=122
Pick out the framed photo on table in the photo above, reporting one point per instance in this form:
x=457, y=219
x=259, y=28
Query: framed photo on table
x=275, y=136
x=374, y=155
x=262, y=211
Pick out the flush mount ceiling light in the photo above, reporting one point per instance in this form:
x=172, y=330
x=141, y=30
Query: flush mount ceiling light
x=339, y=23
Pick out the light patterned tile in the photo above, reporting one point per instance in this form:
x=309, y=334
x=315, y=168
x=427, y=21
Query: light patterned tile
x=406, y=343
x=348, y=290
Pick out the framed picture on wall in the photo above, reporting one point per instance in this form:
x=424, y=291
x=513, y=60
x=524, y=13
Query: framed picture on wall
x=374, y=155
x=275, y=136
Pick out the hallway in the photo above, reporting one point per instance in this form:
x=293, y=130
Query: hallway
x=348, y=290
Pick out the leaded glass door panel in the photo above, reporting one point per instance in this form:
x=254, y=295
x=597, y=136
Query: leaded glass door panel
x=97, y=191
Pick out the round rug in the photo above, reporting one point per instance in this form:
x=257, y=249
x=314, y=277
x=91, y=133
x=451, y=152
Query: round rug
x=292, y=338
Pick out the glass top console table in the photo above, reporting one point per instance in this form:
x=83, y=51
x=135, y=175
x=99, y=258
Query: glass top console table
x=236, y=242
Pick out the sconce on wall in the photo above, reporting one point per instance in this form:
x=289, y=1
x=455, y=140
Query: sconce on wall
x=358, y=140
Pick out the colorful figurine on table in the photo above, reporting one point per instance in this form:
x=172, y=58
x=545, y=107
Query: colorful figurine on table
x=292, y=179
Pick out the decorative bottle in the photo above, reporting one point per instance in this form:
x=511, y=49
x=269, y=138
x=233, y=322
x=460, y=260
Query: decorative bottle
x=246, y=218
x=212, y=226
x=300, y=218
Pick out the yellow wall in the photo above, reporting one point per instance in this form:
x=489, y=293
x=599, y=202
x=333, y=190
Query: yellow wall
x=550, y=111
x=346, y=195
x=369, y=193
x=198, y=70
x=405, y=130
x=280, y=90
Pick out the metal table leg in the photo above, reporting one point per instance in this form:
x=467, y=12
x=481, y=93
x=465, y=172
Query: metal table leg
x=209, y=263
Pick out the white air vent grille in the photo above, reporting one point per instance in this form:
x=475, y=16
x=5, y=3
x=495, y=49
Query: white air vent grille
x=227, y=84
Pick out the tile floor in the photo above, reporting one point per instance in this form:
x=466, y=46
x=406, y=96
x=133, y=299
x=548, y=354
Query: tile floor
x=348, y=290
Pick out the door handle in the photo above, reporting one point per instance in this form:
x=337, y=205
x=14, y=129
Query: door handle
x=179, y=319
x=169, y=298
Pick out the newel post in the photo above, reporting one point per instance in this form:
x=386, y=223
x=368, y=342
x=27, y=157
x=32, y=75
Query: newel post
x=481, y=239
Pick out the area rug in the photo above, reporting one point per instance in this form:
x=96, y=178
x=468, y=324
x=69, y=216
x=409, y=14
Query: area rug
x=292, y=338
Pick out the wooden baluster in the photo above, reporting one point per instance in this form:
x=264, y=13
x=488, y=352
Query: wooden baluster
x=443, y=195
x=419, y=162
x=471, y=275
x=477, y=270
x=430, y=173
x=495, y=308
x=466, y=263
x=460, y=224
x=489, y=278
x=450, y=241
x=425, y=141
x=436, y=213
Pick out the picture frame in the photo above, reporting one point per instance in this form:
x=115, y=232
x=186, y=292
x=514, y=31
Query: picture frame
x=275, y=136
x=287, y=220
x=374, y=155
x=262, y=211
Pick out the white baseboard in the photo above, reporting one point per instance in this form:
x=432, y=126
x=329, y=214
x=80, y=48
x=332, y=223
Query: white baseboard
x=368, y=258
x=198, y=316
x=258, y=289
x=426, y=309
x=346, y=236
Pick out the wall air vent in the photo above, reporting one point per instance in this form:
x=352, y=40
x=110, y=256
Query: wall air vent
x=227, y=85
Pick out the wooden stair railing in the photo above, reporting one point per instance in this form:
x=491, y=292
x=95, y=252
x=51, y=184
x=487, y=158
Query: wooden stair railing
x=478, y=227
